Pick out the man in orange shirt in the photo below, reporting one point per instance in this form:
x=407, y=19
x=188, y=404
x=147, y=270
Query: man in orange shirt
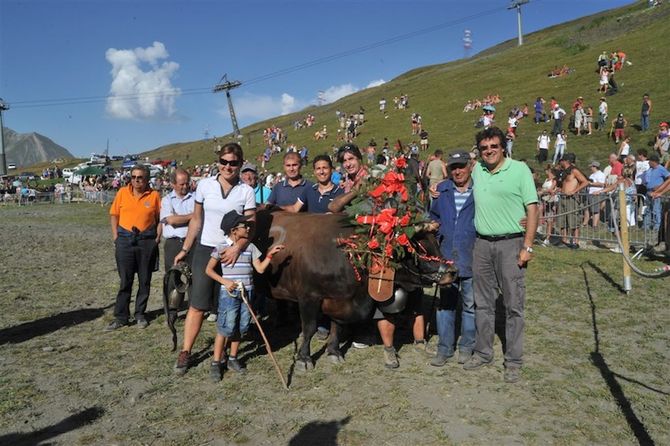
x=134, y=216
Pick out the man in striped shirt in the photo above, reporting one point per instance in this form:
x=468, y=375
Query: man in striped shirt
x=454, y=209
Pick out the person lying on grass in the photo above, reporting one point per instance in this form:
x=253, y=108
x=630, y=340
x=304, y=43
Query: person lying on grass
x=234, y=318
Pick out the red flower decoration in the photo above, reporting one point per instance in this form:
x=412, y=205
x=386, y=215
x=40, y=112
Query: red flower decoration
x=401, y=162
x=404, y=221
x=373, y=244
x=388, y=249
x=403, y=240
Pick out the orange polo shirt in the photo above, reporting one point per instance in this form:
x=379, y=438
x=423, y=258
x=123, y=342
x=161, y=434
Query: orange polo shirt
x=142, y=212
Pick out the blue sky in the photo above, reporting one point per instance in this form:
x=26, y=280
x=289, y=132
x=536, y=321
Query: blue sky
x=140, y=72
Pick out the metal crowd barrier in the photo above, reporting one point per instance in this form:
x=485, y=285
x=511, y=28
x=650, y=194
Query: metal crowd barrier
x=598, y=229
x=103, y=198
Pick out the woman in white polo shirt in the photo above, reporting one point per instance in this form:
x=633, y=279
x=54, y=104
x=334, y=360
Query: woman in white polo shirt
x=214, y=197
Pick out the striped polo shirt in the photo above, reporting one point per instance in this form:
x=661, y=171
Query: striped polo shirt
x=243, y=269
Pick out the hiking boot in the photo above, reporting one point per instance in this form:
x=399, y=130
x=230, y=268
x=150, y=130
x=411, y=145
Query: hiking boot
x=440, y=360
x=234, y=364
x=212, y=317
x=215, y=374
x=142, y=323
x=512, y=374
x=391, y=358
x=475, y=362
x=182, y=363
x=463, y=357
x=422, y=346
x=115, y=325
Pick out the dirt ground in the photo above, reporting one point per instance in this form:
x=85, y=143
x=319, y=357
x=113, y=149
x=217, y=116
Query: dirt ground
x=597, y=363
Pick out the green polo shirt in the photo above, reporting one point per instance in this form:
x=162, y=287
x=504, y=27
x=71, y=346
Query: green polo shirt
x=501, y=198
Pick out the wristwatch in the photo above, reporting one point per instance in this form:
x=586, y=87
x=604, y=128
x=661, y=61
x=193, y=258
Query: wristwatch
x=529, y=249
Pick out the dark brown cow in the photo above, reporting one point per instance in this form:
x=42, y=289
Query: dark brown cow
x=317, y=274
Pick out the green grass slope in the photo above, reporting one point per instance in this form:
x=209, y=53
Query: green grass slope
x=517, y=74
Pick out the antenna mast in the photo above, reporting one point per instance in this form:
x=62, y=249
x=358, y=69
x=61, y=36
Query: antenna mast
x=516, y=4
x=226, y=85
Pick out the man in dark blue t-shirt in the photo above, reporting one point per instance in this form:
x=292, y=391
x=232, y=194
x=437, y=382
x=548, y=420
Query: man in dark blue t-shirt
x=319, y=195
x=286, y=194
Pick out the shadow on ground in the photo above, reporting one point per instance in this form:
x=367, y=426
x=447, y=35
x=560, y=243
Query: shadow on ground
x=610, y=378
x=40, y=327
x=71, y=423
x=323, y=433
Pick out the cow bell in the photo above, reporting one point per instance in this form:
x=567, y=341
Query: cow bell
x=396, y=303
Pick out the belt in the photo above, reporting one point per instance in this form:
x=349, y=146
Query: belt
x=497, y=238
x=176, y=238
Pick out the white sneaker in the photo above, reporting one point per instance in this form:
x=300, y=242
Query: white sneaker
x=359, y=345
x=546, y=243
x=212, y=317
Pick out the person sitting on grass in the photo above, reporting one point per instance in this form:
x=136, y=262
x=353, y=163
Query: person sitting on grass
x=234, y=318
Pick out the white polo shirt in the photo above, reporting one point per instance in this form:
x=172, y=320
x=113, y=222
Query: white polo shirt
x=215, y=205
x=174, y=205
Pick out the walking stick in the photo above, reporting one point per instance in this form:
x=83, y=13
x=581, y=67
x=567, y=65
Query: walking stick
x=243, y=294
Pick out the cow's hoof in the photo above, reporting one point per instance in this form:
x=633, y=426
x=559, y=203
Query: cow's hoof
x=303, y=366
x=336, y=359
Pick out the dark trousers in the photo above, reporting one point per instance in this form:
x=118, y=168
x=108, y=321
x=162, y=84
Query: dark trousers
x=171, y=248
x=558, y=127
x=134, y=259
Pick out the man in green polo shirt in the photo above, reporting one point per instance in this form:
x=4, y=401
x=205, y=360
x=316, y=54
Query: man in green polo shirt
x=504, y=194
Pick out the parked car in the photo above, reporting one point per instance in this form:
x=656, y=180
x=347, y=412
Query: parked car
x=117, y=158
x=11, y=166
x=67, y=172
x=27, y=176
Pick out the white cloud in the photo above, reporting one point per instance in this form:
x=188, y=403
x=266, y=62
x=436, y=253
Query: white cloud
x=141, y=85
x=259, y=107
x=376, y=83
x=332, y=94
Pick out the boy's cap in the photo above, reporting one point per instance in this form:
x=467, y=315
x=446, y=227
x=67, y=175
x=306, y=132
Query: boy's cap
x=231, y=220
x=458, y=157
x=654, y=157
x=595, y=164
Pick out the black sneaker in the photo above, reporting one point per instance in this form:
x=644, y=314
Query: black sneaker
x=183, y=361
x=115, y=325
x=234, y=364
x=215, y=374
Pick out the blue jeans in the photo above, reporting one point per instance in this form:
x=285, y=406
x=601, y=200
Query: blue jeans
x=652, y=218
x=234, y=317
x=446, y=318
x=644, y=122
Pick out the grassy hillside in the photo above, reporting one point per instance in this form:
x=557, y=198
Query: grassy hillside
x=518, y=74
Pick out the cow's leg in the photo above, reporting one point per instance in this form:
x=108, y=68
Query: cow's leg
x=333, y=348
x=309, y=312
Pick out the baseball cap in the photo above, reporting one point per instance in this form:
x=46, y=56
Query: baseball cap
x=458, y=157
x=595, y=164
x=663, y=124
x=232, y=219
x=249, y=166
x=570, y=157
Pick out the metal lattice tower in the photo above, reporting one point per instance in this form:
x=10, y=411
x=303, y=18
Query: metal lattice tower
x=226, y=85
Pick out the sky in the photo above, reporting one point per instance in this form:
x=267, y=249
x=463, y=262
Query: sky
x=138, y=74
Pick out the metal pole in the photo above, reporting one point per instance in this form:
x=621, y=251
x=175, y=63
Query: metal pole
x=625, y=245
x=3, y=160
x=518, y=20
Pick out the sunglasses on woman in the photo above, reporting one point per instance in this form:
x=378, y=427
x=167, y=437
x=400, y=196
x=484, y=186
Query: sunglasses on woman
x=232, y=163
